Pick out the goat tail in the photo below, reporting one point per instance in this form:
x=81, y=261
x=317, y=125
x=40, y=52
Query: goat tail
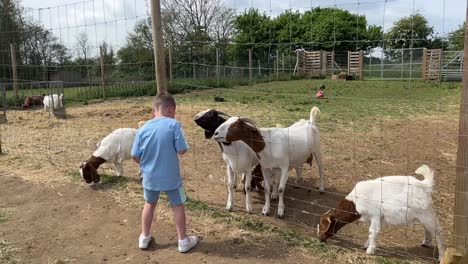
x=313, y=113
x=426, y=172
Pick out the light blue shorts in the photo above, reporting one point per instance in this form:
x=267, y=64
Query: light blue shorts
x=176, y=196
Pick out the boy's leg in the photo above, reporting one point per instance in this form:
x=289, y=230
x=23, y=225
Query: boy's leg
x=177, y=199
x=151, y=200
x=147, y=217
x=180, y=221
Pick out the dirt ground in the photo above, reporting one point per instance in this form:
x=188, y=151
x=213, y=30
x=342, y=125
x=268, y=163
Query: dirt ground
x=68, y=221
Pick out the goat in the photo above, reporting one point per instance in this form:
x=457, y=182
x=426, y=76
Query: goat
x=35, y=100
x=398, y=200
x=277, y=149
x=115, y=147
x=53, y=101
x=239, y=158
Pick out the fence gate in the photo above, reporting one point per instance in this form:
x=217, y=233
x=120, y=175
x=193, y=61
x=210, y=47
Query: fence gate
x=3, y=95
x=355, y=61
x=58, y=101
x=432, y=59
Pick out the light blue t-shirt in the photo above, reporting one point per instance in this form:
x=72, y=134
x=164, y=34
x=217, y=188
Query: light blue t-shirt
x=156, y=144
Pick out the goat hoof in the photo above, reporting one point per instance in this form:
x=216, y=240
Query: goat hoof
x=370, y=251
x=265, y=211
x=426, y=245
x=281, y=215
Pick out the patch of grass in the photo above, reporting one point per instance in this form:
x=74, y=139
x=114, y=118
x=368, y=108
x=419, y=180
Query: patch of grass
x=381, y=260
x=107, y=181
x=345, y=102
x=4, y=215
x=7, y=251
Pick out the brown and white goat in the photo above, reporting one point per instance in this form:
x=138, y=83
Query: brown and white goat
x=397, y=200
x=115, y=147
x=278, y=149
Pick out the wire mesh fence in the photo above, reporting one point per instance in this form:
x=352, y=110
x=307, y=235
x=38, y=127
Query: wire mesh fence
x=368, y=129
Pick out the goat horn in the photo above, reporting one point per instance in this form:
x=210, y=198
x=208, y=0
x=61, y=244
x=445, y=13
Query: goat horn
x=222, y=113
x=248, y=120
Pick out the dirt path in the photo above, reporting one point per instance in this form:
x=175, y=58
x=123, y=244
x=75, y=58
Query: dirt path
x=69, y=224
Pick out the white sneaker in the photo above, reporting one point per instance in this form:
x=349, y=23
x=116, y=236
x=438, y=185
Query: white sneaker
x=143, y=242
x=188, y=243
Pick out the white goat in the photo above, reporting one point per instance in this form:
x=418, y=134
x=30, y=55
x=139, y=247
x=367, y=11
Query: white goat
x=53, y=101
x=115, y=147
x=398, y=200
x=277, y=149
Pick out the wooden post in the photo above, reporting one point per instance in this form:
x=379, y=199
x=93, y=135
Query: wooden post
x=250, y=66
x=323, y=57
x=193, y=70
x=259, y=68
x=15, y=74
x=361, y=57
x=439, y=67
x=460, y=216
x=282, y=62
x=424, y=64
x=217, y=65
x=170, y=64
x=103, y=73
x=349, y=62
x=159, y=61
x=277, y=62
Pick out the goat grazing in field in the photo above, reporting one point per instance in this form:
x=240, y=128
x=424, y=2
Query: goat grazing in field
x=35, y=100
x=277, y=149
x=398, y=200
x=115, y=147
x=53, y=101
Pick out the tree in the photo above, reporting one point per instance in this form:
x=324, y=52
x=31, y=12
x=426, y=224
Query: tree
x=10, y=32
x=408, y=32
x=338, y=29
x=456, y=38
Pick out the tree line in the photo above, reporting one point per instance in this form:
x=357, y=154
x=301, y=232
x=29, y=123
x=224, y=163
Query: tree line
x=195, y=29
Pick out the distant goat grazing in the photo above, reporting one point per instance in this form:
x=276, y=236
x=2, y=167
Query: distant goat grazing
x=35, y=100
x=53, y=101
x=397, y=200
x=278, y=149
x=115, y=147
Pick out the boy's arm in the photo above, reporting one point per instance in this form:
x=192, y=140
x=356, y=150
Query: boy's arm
x=181, y=144
x=136, y=152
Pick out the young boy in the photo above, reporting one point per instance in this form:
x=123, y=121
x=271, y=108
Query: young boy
x=155, y=149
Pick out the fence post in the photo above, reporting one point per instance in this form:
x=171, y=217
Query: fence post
x=250, y=66
x=193, y=70
x=170, y=64
x=277, y=62
x=460, y=217
x=424, y=64
x=103, y=73
x=217, y=66
x=360, y=65
x=259, y=68
x=282, y=61
x=15, y=73
x=323, y=57
x=159, y=59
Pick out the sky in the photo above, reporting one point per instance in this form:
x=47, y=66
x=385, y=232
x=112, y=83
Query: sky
x=111, y=20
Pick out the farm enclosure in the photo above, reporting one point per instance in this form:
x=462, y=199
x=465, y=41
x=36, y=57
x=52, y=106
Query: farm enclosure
x=369, y=129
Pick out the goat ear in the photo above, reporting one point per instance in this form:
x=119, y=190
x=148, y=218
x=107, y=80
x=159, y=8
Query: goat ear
x=325, y=222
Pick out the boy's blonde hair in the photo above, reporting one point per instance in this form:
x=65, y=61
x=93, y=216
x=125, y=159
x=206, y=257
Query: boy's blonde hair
x=164, y=100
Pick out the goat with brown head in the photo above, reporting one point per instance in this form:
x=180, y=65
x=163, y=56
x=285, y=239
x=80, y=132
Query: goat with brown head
x=335, y=219
x=244, y=129
x=88, y=169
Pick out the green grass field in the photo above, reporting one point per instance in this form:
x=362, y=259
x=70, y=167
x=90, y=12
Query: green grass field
x=344, y=102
